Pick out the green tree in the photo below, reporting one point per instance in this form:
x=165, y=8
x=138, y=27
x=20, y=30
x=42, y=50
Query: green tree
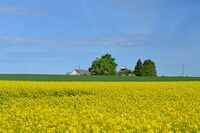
x=104, y=66
x=149, y=68
x=138, y=68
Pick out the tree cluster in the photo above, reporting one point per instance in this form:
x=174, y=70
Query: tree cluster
x=148, y=68
x=106, y=65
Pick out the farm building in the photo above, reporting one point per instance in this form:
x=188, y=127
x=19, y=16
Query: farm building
x=80, y=72
x=124, y=71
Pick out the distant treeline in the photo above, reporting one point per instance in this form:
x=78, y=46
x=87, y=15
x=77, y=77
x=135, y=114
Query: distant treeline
x=106, y=65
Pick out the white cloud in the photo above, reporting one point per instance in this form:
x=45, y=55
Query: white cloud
x=9, y=41
x=95, y=41
x=21, y=11
x=134, y=5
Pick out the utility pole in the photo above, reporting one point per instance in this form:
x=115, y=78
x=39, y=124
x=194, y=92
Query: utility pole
x=26, y=75
x=183, y=67
x=25, y=69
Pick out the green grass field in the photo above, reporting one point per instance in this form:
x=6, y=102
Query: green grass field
x=43, y=77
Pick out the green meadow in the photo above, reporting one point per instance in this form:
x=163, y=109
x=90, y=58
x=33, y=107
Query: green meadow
x=43, y=77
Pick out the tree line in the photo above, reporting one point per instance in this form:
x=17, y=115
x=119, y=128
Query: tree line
x=106, y=65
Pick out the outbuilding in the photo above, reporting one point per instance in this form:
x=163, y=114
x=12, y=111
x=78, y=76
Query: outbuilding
x=79, y=72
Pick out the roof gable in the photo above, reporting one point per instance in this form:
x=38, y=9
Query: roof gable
x=83, y=72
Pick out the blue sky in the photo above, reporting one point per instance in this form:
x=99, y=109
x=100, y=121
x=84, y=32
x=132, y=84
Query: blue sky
x=56, y=36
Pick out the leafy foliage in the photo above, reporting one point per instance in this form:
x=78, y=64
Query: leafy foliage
x=104, y=66
x=138, y=68
x=149, y=68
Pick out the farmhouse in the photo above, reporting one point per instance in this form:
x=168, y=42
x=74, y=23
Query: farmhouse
x=124, y=71
x=80, y=72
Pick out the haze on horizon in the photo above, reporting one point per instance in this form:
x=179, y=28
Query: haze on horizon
x=52, y=36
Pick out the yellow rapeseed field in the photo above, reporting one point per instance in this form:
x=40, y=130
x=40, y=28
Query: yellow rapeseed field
x=99, y=106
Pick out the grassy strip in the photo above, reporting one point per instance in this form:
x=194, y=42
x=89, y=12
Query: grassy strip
x=43, y=77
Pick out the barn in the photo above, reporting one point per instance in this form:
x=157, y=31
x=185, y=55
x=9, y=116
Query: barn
x=80, y=72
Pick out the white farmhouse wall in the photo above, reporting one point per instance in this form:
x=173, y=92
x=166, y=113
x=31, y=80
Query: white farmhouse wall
x=74, y=73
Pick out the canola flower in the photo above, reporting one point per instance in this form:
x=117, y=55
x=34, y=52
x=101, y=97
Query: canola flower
x=75, y=107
